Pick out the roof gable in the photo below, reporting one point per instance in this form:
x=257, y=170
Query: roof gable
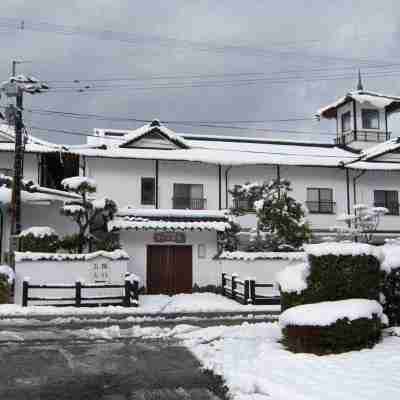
x=154, y=136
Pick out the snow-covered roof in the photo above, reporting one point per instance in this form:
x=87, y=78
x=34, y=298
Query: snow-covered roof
x=234, y=152
x=392, y=103
x=36, y=256
x=154, y=126
x=160, y=219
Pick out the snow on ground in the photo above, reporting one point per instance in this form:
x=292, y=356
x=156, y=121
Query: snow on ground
x=148, y=304
x=256, y=366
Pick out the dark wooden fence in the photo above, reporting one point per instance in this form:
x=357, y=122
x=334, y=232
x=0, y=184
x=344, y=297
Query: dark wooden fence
x=129, y=298
x=245, y=291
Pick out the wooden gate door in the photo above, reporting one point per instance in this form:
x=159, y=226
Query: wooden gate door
x=169, y=269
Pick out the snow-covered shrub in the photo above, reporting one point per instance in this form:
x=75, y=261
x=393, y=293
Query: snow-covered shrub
x=333, y=271
x=5, y=289
x=391, y=282
x=39, y=239
x=228, y=239
x=360, y=225
x=332, y=327
x=281, y=220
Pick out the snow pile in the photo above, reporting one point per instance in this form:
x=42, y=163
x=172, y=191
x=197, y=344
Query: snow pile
x=8, y=272
x=256, y=366
x=328, y=312
x=391, y=256
x=99, y=204
x=36, y=256
x=294, y=278
x=343, y=249
x=38, y=232
x=75, y=182
x=260, y=255
x=131, y=277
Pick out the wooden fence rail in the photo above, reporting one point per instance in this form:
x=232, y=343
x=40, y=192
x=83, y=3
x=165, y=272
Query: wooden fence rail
x=245, y=291
x=129, y=298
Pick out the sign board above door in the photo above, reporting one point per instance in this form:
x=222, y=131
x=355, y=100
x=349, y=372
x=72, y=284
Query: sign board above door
x=175, y=237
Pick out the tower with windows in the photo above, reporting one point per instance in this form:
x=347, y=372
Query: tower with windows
x=361, y=117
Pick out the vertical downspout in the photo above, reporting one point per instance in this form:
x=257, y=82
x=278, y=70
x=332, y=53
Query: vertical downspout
x=226, y=186
x=1, y=234
x=278, y=178
x=386, y=125
x=348, y=189
x=354, y=185
x=84, y=166
x=219, y=187
x=355, y=119
x=156, y=183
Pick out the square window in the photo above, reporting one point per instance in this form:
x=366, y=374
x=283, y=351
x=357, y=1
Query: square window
x=388, y=199
x=320, y=201
x=346, y=121
x=148, y=191
x=370, y=119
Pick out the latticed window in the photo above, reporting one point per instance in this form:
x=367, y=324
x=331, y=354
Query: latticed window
x=148, y=191
x=320, y=201
x=370, y=119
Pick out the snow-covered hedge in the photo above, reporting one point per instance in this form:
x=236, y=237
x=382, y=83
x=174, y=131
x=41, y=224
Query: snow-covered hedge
x=261, y=255
x=391, y=282
x=333, y=271
x=39, y=238
x=333, y=326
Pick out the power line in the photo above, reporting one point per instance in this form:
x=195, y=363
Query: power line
x=169, y=42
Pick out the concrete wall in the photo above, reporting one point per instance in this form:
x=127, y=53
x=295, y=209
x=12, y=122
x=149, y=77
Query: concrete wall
x=67, y=273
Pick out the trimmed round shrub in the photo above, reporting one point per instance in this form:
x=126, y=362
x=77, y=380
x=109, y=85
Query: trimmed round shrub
x=391, y=291
x=5, y=289
x=332, y=326
x=337, y=277
x=341, y=336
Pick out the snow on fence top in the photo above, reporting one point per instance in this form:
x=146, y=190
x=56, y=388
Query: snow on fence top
x=36, y=256
x=328, y=312
x=38, y=231
x=343, y=249
x=294, y=278
x=261, y=255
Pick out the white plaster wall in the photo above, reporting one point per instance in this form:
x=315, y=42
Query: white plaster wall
x=119, y=179
x=204, y=269
x=171, y=172
x=67, y=273
x=30, y=164
x=379, y=180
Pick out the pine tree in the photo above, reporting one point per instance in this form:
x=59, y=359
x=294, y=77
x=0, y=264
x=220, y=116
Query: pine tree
x=281, y=223
x=85, y=211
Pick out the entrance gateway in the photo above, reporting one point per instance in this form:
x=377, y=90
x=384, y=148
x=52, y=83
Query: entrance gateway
x=169, y=269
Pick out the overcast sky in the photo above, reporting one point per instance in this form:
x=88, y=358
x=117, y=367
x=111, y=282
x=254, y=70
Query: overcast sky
x=218, y=60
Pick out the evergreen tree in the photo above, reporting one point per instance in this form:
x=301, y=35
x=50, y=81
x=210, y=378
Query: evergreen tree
x=281, y=223
x=85, y=211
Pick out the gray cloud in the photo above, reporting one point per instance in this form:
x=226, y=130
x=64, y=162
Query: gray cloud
x=339, y=33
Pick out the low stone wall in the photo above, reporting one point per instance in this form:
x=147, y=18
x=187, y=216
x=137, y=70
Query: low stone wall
x=59, y=269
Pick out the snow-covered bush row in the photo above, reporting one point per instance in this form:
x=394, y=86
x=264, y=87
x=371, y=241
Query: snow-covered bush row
x=39, y=239
x=262, y=255
x=343, y=249
x=38, y=231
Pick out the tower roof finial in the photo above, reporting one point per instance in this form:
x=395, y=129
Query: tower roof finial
x=359, y=83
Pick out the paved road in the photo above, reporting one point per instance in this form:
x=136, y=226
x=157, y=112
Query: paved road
x=56, y=364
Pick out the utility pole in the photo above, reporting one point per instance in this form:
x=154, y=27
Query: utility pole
x=15, y=87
